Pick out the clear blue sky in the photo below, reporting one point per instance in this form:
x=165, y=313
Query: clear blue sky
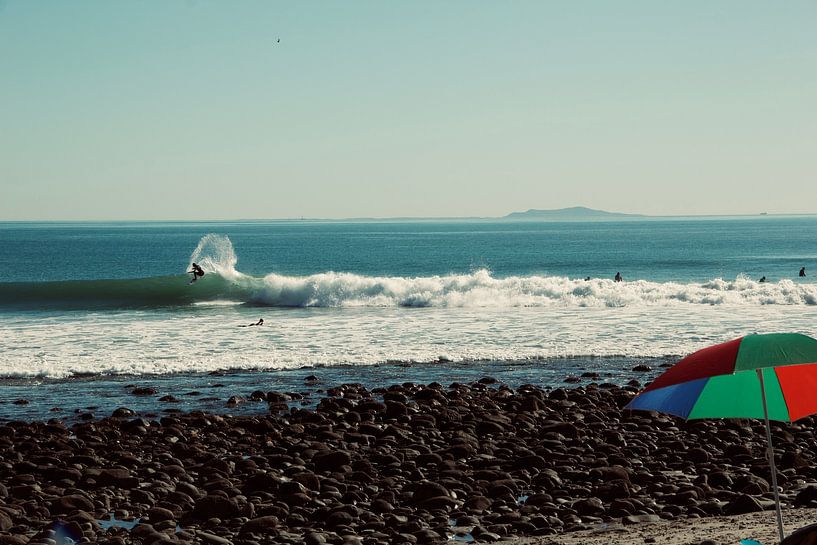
x=192, y=109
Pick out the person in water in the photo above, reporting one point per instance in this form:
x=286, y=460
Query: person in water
x=618, y=277
x=197, y=272
x=762, y=279
x=802, y=272
x=259, y=322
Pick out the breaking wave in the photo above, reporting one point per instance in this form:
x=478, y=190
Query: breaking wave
x=223, y=282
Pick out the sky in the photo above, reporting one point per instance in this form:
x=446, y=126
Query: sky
x=164, y=109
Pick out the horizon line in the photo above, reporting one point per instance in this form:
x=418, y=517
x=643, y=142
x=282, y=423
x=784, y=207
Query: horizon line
x=612, y=218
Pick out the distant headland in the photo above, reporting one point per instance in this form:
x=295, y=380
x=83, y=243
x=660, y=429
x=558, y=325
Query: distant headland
x=572, y=213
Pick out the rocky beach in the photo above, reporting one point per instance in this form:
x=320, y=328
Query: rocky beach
x=408, y=273
x=407, y=463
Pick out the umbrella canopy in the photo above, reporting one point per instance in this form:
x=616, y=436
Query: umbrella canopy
x=723, y=381
x=772, y=376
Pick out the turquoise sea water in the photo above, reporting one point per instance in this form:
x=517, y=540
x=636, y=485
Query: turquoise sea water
x=112, y=299
x=650, y=249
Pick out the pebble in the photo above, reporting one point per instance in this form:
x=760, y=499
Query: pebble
x=143, y=391
x=393, y=465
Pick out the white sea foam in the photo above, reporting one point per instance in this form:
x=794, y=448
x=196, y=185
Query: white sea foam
x=215, y=253
x=480, y=289
x=206, y=339
x=345, y=318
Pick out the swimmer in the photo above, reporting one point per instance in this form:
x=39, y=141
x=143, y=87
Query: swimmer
x=259, y=322
x=618, y=277
x=802, y=272
x=762, y=279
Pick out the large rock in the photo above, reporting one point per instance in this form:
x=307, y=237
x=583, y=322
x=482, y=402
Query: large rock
x=5, y=521
x=804, y=536
x=339, y=518
x=741, y=504
x=215, y=507
x=720, y=479
x=477, y=503
x=611, y=473
x=158, y=514
x=429, y=490
x=589, y=506
x=261, y=525
x=212, y=539
x=68, y=504
x=331, y=461
x=806, y=497
x=117, y=477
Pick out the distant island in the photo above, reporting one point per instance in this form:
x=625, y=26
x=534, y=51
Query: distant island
x=567, y=214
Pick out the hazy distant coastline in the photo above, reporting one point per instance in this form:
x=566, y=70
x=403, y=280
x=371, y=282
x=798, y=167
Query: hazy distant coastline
x=572, y=213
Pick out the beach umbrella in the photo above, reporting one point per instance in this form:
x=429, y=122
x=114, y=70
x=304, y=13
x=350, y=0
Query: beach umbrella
x=771, y=376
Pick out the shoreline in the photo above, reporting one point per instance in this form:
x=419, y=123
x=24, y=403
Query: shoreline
x=476, y=363
x=74, y=398
x=407, y=463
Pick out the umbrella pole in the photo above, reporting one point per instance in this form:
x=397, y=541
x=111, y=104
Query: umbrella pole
x=771, y=454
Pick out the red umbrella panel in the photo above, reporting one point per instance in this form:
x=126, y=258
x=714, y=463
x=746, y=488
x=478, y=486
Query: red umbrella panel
x=722, y=381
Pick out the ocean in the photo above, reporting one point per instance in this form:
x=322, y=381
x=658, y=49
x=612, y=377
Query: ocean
x=88, y=308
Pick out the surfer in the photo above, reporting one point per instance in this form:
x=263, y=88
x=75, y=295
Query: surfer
x=618, y=277
x=802, y=272
x=259, y=322
x=196, y=272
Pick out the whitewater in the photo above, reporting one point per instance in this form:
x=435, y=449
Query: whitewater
x=57, y=329
x=479, y=289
